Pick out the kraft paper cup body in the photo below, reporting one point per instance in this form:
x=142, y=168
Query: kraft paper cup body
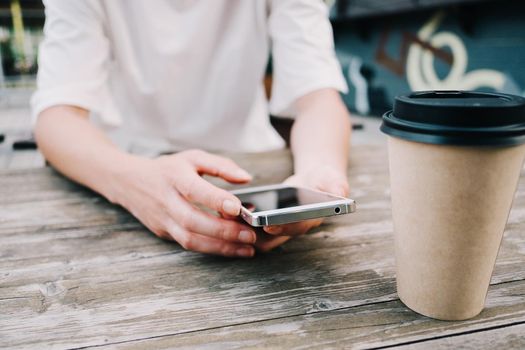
x=450, y=205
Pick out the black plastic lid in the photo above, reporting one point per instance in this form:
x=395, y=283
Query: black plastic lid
x=457, y=118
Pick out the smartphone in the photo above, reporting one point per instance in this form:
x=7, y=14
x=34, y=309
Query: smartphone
x=282, y=204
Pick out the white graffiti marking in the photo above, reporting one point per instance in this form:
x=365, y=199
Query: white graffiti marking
x=362, y=105
x=421, y=74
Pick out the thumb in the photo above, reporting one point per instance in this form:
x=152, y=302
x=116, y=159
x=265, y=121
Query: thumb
x=338, y=188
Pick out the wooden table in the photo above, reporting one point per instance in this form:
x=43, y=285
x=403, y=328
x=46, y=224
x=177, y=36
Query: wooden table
x=76, y=271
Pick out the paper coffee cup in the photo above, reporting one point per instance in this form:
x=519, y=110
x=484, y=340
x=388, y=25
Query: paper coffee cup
x=455, y=160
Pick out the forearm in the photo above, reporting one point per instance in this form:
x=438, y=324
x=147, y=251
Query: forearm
x=79, y=150
x=321, y=133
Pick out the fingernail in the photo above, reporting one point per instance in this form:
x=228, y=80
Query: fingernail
x=274, y=229
x=230, y=207
x=243, y=173
x=245, y=252
x=247, y=237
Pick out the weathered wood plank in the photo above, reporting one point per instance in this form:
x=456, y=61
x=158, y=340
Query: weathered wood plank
x=156, y=288
x=185, y=292
x=78, y=271
x=510, y=338
x=368, y=326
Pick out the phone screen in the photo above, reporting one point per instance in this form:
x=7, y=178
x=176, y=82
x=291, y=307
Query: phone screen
x=282, y=198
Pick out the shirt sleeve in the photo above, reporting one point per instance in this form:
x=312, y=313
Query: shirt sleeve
x=303, y=55
x=73, y=57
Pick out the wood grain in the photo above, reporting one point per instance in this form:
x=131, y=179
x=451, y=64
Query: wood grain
x=369, y=326
x=76, y=271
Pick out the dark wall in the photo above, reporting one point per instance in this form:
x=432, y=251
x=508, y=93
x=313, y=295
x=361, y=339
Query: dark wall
x=479, y=46
x=352, y=9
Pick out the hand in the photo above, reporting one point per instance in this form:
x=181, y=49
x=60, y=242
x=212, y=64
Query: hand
x=325, y=179
x=161, y=193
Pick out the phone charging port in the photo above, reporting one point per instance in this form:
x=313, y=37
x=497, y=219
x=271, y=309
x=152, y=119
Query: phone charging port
x=337, y=210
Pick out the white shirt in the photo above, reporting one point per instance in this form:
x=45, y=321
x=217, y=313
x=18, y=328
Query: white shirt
x=164, y=75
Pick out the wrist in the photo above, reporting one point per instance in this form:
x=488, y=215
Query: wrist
x=319, y=167
x=120, y=175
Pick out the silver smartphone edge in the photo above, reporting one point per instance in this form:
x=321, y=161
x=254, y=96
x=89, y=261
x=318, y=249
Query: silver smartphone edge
x=294, y=214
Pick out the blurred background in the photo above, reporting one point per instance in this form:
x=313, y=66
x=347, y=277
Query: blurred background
x=390, y=47
x=21, y=25
x=386, y=47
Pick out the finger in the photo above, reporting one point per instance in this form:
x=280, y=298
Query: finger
x=161, y=233
x=225, y=168
x=337, y=188
x=194, y=220
x=267, y=242
x=337, y=185
x=165, y=235
x=197, y=190
x=293, y=229
x=208, y=245
x=230, y=217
